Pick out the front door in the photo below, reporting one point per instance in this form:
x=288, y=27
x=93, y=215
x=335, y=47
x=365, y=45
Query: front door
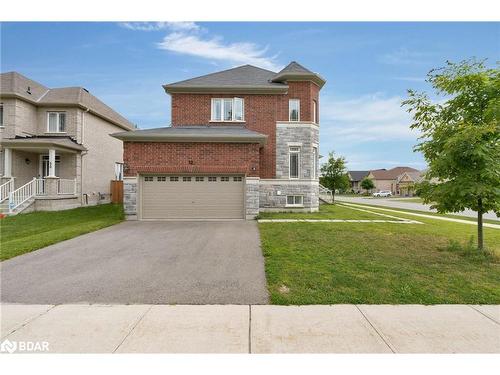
x=44, y=165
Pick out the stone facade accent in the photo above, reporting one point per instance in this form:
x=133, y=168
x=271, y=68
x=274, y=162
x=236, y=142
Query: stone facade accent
x=252, y=192
x=304, y=135
x=272, y=194
x=130, y=196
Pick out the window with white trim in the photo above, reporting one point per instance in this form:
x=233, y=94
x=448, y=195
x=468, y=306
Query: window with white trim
x=56, y=122
x=1, y=115
x=315, y=111
x=315, y=162
x=294, y=162
x=228, y=109
x=186, y=179
x=294, y=201
x=224, y=179
x=148, y=178
x=212, y=179
x=294, y=110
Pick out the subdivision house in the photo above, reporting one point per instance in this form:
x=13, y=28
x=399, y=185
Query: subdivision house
x=355, y=178
x=55, y=148
x=241, y=141
x=389, y=179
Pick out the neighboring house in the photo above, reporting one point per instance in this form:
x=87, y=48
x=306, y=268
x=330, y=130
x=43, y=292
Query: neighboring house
x=387, y=179
x=243, y=140
x=355, y=178
x=406, y=183
x=55, y=148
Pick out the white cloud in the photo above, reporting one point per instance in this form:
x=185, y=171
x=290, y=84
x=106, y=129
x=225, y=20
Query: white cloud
x=215, y=49
x=369, y=118
x=404, y=56
x=156, y=26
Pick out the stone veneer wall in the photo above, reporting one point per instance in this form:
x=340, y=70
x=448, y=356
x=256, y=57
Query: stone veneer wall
x=252, y=192
x=269, y=200
x=130, y=197
x=304, y=135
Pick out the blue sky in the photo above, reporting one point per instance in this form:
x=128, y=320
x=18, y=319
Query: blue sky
x=368, y=66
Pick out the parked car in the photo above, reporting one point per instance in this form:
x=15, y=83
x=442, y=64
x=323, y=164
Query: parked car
x=382, y=193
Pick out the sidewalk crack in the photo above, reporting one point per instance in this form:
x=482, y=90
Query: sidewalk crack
x=386, y=341
x=28, y=322
x=485, y=315
x=250, y=329
x=133, y=327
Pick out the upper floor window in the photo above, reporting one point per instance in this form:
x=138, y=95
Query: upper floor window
x=227, y=109
x=56, y=122
x=1, y=115
x=315, y=111
x=294, y=110
x=315, y=162
x=294, y=160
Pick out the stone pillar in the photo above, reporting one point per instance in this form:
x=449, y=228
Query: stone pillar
x=51, y=186
x=7, y=167
x=130, y=192
x=251, y=197
x=52, y=163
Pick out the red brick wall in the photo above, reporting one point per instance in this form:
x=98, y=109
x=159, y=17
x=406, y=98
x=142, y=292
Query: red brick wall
x=261, y=114
x=159, y=157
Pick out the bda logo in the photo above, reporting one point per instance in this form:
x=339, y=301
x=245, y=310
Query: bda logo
x=8, y=346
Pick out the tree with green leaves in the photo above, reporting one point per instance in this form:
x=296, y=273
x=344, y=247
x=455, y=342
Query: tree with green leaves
x=367, y=184
x=460, y=138
x=334, y=174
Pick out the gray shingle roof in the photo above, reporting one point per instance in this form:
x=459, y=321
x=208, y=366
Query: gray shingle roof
x=195, y=133
x=358, y=175
x=295, y=71
x=246, y=76
x=295, y=67
x=13, y=83
x=34, y=142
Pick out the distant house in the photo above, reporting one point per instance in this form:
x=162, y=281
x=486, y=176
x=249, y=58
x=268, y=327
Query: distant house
x=393, y=179
x=355, y=178
x=406, y=183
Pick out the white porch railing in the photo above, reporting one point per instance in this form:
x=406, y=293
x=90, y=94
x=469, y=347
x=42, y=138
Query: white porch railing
x=65, y=186
x=40, y=187
x=22, y=195
x=325, y=194
x=5, y=189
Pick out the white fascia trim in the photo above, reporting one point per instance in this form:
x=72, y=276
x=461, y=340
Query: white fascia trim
x=130, y=179
x=296, y=144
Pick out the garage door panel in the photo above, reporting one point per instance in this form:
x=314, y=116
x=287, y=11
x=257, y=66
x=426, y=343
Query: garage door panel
x=166, y=199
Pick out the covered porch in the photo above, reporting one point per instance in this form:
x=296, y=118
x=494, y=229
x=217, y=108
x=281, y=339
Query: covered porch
x=40, y=168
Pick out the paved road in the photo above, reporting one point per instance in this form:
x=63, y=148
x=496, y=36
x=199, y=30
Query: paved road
x=255, y=329
x=391, y=202
x=144, y=262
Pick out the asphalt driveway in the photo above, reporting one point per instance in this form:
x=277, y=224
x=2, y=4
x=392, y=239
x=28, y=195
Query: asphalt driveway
x=144, y=262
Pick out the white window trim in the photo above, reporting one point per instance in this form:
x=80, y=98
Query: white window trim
x=3, y=115
x=315, y=162
x=48, y=125
x=315, y=111
x=212, y=111
x=290, y=164
x=295, y=204
x=290, y=112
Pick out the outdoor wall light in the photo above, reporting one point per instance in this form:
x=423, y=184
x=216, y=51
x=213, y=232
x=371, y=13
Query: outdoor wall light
x=27, y=161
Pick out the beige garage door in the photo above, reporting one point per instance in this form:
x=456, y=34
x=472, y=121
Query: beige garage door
x=192, y=197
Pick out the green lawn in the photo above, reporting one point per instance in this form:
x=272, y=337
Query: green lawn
x=411, y=200
x=326, y=212
x=374, y=263
x=468, y=218
x=27, y=232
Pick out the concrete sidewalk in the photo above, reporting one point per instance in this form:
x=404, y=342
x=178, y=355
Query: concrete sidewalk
x=254, y=329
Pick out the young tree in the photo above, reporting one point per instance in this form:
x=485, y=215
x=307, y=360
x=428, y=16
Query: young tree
x=334, y=173
x=367, y=184
x=460, y=139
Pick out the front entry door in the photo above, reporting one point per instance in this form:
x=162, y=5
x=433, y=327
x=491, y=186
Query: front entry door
x=44, y=165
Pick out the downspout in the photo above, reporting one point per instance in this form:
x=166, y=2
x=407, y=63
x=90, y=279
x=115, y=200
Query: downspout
x=83, y=153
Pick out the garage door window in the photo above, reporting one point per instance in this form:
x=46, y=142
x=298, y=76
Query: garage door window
x=237, y=179
x=212, y=179
x=161, y=179
x=199, y=179
x=148, y=178
x=174, y=179
x=186, y=179
x=224, y=179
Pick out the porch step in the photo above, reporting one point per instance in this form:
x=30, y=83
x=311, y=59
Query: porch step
x=4, y=207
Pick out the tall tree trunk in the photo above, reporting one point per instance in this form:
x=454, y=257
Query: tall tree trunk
x=333, y=194
x=480, y=244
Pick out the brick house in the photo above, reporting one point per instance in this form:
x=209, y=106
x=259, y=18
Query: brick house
x=392, y=179
x=243, y=140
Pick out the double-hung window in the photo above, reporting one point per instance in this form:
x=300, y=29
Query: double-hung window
x=294, y=110
x=56, y=122
x=315, y=111
x=228, y=109
x=294, y=200
x=294, y=161
x=1, y=115
x=315, y=162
